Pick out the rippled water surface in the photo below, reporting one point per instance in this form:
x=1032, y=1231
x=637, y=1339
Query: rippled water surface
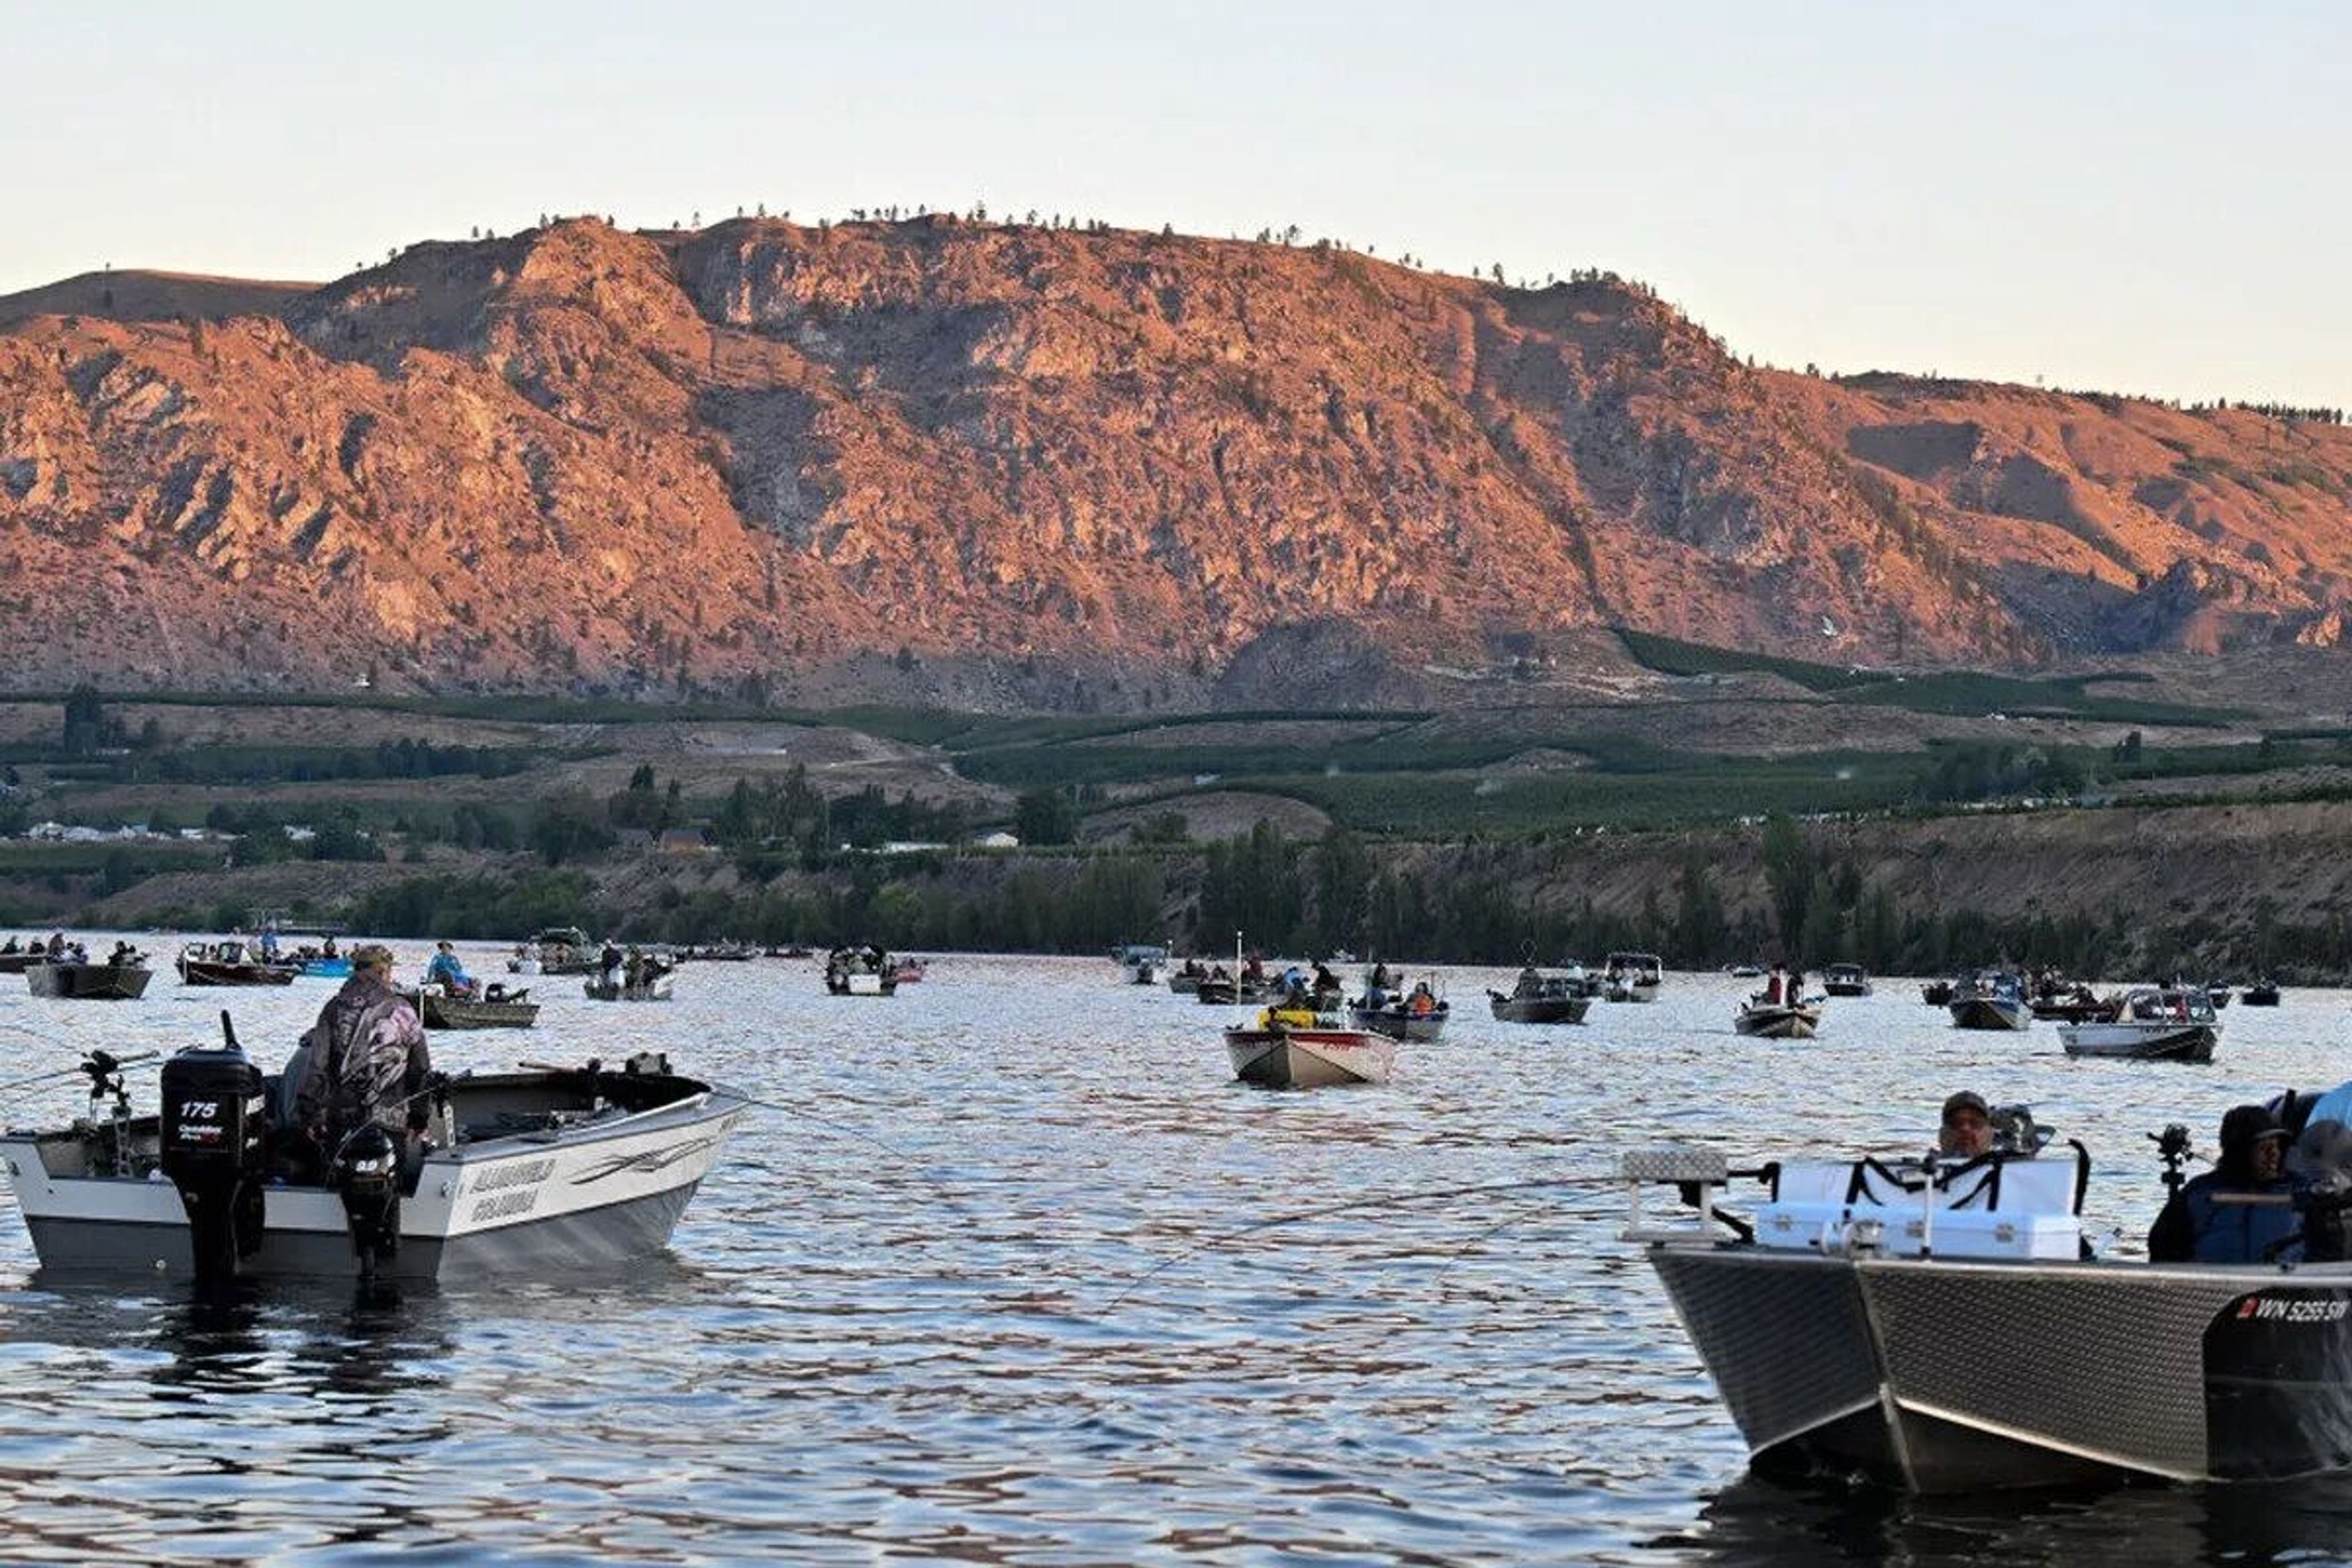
x=999, y=1278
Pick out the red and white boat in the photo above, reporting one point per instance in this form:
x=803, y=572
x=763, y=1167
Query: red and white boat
x=1295, y=1048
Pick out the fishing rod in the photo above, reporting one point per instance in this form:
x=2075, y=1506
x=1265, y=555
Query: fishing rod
x=94, y=1062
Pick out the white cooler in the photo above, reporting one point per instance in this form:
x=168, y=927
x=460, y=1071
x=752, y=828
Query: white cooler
x=2018, y=1208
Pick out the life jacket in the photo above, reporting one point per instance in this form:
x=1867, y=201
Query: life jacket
x=2234, y=1233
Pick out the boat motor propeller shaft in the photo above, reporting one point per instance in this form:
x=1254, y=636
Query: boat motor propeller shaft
x=367, y=1177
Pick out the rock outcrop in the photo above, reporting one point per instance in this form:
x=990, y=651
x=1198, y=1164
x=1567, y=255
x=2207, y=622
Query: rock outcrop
x=578, y=458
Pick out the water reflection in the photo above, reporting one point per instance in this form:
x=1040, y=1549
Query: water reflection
x=1764, y=1523
x=994, y=1283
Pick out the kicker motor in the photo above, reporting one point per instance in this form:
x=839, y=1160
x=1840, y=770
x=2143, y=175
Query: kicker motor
x=215, y=1134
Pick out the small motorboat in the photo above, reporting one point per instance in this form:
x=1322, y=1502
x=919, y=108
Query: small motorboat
x=795, y=951
x=1939, y=1327
x=1225, y=991
x=1632, y=977
x=1539, y=998
x=2156, y=1024
x=91, y=982
x=1994, y=1001
x=717, y=952
x=19, y=962
x=231, y=962
x=2261, y=993
x=556, y=949
x=547, y=1169
x=1846, y=980
x=1297, y=1048
x=1141, y=963
x=496, y=1008
x=653, y=987
x=1418, y=1015
x=1184, y=980
x=1777, y=1020
x=860, y=972
x=2218, y=995
x=1744, y=971
x=2080, y=1005
x=909, y=971
x=1937, y=992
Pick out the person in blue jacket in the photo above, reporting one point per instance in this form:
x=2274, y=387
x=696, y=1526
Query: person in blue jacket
x=2196, y=1226
x=448, y=973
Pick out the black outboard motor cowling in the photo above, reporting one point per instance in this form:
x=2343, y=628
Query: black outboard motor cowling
x=216, y=1136
x=367, y=1175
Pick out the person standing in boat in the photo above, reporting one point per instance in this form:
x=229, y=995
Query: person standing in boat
x=2196, y=1226
x=1530, y=984
x=448, y=973
x=365, y=1059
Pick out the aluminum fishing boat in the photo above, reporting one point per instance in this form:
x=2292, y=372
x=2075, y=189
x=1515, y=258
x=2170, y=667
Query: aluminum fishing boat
x=546, y=1169
x=91, y=982
x=1937, y=1327
x=1633, y=977
x=1990, y=1002
x=231, y=962
x=1141, y=963
x=1540, y=998
x=2169, y=1024
x=1777, y=1021
x=496, y=1008
x=1419, y=1019
x=1289, y=1048
x=656, y=987
x=1846, y=980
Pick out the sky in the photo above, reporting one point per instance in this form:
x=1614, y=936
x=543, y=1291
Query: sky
x=2148, y=197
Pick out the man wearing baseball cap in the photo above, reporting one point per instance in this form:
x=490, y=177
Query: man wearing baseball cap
x=1967, y=1129
x=364, y=1060
x=2197, y=1226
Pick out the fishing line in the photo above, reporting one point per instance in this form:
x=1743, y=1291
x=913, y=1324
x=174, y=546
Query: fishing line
x=72, y=1072
x=1276, y=1222
x=904, y=1159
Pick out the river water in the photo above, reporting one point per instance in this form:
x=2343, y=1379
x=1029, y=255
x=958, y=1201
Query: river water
x=1014, y=1272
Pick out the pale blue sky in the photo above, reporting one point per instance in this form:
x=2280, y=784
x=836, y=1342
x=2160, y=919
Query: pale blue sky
x=2137, y=196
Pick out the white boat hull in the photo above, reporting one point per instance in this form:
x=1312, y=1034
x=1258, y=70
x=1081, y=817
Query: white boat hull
x=1309, y=1058
x=596, y=1195
x=2142, y=1041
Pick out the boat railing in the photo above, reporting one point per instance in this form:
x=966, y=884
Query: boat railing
x=2003, y=1203
x=1696, y=1171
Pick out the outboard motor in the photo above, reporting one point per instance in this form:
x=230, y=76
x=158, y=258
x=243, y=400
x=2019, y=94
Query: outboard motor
x=367, y=1177
x=215, y=1135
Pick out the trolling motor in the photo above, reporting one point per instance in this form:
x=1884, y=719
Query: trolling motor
x=216, y=1136
x=366, y=1176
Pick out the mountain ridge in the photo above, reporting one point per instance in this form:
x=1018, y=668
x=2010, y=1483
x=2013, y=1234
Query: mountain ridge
x=1009, y=457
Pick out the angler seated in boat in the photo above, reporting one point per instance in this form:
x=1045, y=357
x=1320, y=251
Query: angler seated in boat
x=1985, y=1191
x=2207, y=1218
x=446, y=972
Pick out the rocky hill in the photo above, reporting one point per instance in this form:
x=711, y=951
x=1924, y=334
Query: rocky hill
x=1009, y=463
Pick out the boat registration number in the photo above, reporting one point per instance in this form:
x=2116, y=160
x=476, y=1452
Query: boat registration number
x=2269, y=1309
